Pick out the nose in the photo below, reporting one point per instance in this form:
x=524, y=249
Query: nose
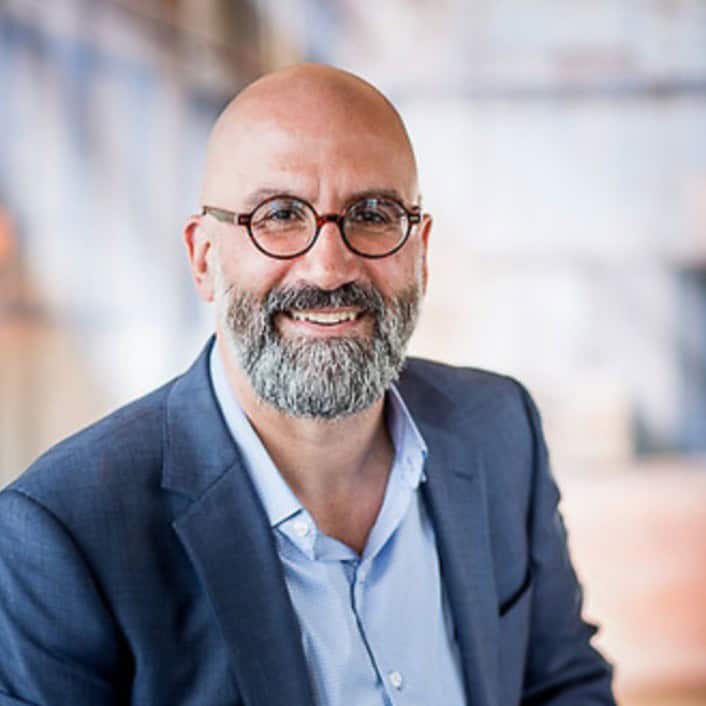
x=330, y=264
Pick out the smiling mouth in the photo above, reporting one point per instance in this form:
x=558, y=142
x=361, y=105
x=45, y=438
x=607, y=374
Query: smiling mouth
x=324, y=318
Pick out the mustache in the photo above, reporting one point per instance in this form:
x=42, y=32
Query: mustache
x=352, y=294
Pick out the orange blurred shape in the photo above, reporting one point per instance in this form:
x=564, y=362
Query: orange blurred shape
x=638, y=541
x=8, y=243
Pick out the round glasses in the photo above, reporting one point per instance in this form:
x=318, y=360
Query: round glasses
x=284, y=227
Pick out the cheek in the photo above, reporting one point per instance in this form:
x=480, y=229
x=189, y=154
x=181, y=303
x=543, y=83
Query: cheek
x=398, y=272
x=246, y=269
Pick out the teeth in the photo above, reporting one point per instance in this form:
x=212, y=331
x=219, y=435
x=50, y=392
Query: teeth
x=320, y=317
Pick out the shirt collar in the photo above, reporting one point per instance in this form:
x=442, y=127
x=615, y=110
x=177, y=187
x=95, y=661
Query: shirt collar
x=279, y=501
x=276, y=496
x=409, y=444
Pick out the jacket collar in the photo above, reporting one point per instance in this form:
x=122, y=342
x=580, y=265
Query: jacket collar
x=197, y=447
x=227, y=536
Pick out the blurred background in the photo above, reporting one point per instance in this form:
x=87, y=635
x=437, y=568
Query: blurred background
x=562, y=149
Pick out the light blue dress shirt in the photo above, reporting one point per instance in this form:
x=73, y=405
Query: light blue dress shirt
x=376, y=628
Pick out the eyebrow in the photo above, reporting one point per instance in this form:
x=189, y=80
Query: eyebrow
x=389, y=193
x=257, y=197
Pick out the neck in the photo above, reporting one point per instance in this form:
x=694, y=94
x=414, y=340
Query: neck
x=320, y=459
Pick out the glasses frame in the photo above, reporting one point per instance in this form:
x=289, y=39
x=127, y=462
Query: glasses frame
x=413, y=213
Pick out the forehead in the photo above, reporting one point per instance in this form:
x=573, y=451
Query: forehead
x=313, y=159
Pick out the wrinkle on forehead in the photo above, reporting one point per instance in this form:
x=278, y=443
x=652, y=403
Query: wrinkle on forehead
x=318, y=104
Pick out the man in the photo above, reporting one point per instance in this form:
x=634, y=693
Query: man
x=285, y=525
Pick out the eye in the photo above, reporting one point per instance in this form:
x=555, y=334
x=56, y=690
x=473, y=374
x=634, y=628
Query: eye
x=282, y=214
x=374, y=212
x=279, y=213
x=370, y=215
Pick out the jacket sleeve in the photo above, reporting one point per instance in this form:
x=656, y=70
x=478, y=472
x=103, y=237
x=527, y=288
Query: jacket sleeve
x=562, y=668
x=59, y=643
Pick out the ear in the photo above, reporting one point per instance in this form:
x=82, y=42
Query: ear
x=198, y=245
x=425, y=232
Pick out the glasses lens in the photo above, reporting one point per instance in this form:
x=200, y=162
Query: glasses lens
x=375, y=226
x=283, y=226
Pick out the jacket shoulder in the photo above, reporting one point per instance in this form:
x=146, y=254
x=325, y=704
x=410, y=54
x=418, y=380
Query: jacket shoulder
x=463, y=388
x=112, y=450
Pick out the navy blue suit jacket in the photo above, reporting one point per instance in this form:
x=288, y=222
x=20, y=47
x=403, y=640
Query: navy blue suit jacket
x=137, y=565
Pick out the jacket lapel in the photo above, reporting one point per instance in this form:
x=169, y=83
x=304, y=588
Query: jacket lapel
x=455, y=495
x=227, y=537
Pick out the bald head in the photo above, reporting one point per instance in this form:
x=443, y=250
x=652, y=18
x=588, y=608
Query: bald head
x=323, y=108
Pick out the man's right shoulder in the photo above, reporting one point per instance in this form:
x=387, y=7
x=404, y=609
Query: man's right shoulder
x=123, y=448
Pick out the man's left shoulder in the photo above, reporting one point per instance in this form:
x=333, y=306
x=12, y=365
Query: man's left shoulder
x=426, y=384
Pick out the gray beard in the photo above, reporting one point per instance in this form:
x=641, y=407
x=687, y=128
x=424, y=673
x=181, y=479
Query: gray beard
x=320, y=378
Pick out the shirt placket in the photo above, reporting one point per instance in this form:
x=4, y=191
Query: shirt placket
x=390, y=677
x=357, y=572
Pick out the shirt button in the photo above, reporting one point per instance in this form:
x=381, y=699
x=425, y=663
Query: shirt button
x=301, y=528
x=395, y=679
